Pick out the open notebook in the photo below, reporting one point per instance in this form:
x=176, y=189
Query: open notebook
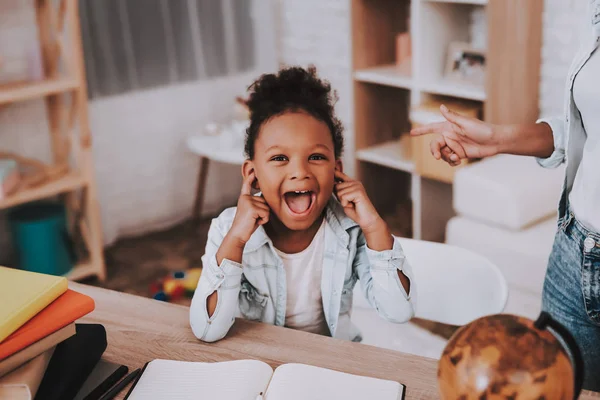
x=247, y=379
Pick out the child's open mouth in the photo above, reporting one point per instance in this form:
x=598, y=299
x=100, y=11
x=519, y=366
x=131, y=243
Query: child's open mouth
x=300, y=201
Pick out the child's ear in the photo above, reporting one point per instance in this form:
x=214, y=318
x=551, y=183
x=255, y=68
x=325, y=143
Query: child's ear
x=247, y=169
x=339, y=166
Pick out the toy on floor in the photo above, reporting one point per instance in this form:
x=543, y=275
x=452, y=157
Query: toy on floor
x=176, y=285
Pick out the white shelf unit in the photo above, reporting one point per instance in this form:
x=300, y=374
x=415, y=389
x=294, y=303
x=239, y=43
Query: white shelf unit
x=384, y=94
x=445, y=88
x=387, y=75
x=392, y=154
x=438, y=24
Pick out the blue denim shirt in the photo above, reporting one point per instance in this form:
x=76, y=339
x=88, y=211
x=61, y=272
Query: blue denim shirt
x=256, y=289
x=568, y=130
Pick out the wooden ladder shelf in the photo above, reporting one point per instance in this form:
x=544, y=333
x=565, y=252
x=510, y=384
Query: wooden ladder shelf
x=65, y=92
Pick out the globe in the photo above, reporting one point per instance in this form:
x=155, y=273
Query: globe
x=505, y=357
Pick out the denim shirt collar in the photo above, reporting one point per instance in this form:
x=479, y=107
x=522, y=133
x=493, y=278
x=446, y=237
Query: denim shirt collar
x=335, y=216
x=595, y=20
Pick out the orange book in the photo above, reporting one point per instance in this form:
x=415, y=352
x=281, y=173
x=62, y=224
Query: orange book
x=69, y=307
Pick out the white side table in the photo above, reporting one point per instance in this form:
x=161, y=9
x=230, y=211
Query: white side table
x=211, y=148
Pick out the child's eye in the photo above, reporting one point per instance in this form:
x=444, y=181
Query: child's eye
x=279, y=158
x=317, y=157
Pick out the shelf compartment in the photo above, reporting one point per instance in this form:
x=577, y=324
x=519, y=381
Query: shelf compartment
x=386, y=75
x=454, y=89
x=393, y=154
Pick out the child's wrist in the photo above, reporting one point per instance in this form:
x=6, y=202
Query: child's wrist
x=231, y=248
x=378, y=236
x=234, y=240
x=376, y=226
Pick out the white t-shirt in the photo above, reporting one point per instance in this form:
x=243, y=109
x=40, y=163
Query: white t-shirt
x=304, y=306
x=585, y=194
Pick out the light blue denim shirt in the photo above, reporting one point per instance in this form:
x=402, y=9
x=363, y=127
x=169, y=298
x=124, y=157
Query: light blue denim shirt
x=256, y=289
x=568, y=130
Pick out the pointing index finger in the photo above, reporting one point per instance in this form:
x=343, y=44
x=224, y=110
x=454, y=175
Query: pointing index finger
x=436, y=127
x=247, y=184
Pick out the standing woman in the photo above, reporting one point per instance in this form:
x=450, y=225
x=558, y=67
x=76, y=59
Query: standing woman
x=572, y=286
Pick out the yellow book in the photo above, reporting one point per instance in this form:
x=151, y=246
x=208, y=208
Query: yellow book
x=23, y=294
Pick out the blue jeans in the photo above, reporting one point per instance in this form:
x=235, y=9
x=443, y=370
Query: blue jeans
x=572, y=290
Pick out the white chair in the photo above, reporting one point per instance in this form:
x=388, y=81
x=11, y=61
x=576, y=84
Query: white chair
x=454, y=286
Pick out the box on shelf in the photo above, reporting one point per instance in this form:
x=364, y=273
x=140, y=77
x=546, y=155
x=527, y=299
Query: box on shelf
x=429, y=112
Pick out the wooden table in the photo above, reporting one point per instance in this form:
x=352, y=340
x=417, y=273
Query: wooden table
x=141, y=329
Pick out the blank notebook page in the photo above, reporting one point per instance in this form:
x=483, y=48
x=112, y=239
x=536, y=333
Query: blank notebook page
x=303, y=382
x=181, y=380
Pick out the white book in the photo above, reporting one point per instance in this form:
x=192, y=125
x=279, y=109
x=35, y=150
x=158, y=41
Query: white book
x=251, y=379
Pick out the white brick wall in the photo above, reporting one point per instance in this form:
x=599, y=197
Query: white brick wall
x=318, y=32
x=311, y=31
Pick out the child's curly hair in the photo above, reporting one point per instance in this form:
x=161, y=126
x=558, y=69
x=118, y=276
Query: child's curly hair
x=292, y=89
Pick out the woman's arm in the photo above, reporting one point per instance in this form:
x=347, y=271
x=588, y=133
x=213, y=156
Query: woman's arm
x=461, y=137
x=558, y=127
x=526, y=140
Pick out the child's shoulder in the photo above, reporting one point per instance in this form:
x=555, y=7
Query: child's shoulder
x=227, y=214
x=224, y=220
x=223, y=223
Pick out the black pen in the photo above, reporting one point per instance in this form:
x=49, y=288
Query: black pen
x=121, y=385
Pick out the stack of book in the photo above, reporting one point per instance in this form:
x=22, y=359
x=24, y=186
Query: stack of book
x=37, y=315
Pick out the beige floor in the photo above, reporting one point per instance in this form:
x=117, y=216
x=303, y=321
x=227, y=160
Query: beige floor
x=133, y=264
